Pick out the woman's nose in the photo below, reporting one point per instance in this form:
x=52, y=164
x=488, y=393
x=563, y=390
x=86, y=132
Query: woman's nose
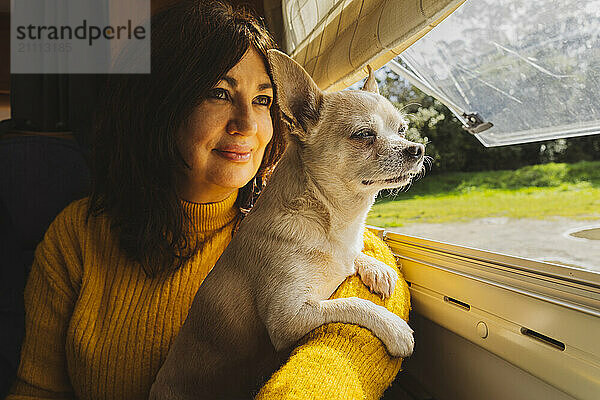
x=243, y=121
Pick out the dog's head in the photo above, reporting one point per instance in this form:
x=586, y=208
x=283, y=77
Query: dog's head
x=353, y=137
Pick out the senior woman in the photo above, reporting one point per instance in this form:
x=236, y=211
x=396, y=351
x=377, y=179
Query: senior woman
x=180, y=157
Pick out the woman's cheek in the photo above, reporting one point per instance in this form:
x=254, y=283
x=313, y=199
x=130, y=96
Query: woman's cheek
x=267, y=128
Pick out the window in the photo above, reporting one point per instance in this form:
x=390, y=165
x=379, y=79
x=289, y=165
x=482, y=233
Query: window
x=530, y=68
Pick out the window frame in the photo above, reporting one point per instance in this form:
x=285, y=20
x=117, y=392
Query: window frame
x=509, y=294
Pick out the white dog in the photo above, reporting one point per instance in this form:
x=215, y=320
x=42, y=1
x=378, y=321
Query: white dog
x=301, y=240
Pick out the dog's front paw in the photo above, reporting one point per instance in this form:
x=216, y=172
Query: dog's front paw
x=379, y=277
x=401, y=342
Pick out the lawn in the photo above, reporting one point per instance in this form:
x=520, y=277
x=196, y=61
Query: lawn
x=540, y=191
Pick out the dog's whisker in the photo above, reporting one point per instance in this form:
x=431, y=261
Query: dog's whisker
x=422, y=172
x=428, y=161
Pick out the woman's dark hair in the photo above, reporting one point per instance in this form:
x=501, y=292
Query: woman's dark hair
x=135, y=159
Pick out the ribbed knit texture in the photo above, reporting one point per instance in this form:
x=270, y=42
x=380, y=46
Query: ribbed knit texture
x=98, y=328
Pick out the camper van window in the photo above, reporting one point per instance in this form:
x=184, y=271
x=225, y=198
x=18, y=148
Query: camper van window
x=529, y=186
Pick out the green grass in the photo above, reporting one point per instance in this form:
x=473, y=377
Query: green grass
x=540, y=191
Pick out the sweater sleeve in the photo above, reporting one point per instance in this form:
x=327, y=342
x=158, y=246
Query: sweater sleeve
x=50, y=294
x=343, y=361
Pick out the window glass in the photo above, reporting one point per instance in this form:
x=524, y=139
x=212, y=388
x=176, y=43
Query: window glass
x=531, y=67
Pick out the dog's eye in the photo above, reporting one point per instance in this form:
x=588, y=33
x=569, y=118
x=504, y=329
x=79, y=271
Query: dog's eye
x=364, y=134
x=402, y=130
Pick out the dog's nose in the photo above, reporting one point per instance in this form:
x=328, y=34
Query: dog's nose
x=415, y=151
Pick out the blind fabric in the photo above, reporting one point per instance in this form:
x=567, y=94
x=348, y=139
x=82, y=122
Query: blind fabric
x=335, y=40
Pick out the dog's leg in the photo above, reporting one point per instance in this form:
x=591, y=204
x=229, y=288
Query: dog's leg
x=392, y=330
x=378, y=276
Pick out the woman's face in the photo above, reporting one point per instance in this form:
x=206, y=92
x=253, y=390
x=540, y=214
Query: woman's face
x=225, y=139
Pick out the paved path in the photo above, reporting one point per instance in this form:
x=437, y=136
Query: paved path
x=544, y=240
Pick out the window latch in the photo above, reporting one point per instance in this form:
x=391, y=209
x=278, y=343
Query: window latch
x=475, y=124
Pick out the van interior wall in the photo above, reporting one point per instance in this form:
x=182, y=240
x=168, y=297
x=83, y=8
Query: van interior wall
x=4, y=64
x=451, y=367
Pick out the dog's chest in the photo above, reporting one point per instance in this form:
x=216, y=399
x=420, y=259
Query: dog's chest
x=342, y=250
x=348, y=242
x=326, y=279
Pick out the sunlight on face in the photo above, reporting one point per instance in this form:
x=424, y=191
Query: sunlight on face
x=225, y=139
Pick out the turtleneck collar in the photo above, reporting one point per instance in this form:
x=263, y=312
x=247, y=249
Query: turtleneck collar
x=208, y=217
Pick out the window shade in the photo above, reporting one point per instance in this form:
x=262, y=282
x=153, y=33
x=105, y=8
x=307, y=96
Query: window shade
x=335, y=40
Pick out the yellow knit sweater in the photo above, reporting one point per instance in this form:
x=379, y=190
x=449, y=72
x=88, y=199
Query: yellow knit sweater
x=98, y=328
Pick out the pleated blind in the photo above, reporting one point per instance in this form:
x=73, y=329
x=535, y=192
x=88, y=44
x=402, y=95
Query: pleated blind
x=335, y=40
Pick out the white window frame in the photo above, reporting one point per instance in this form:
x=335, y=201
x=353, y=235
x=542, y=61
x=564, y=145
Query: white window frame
x=458, y=288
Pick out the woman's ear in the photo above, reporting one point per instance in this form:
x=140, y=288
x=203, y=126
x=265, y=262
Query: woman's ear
x=298, y=96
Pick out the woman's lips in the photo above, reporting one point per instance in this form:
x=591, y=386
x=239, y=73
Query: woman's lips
x=238, y=156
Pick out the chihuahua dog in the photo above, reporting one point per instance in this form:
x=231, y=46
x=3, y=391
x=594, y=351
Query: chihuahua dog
x=302, y=239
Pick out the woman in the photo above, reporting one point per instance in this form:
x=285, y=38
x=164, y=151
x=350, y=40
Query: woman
x=180, y=156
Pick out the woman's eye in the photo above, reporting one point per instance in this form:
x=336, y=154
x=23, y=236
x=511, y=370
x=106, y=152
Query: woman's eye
x=218, y=93
x=263, y=100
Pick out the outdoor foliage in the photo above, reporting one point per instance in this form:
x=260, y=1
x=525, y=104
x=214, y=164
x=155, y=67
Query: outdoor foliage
x=538, y=191
x=551, y=175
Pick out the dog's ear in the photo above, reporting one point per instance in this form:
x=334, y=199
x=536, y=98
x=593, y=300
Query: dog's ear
x=371, y=84
x=298, y=96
